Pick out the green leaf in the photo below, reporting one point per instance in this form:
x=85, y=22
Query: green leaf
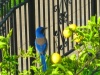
x=83, y=57
x=69, y=73
x=34, y=68
x=55, y=71
x=72, y=57
x=0, y=64
x=90, y=36
x=85, y=71
x=2, y=37
x=93, y=18
x=17, y=2
x=98, y=20
x=59, y=66
x=2, y=45
x=30, y=49
x=98, y=65
x=91, y=51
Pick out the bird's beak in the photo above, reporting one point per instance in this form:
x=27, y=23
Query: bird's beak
x=44, y=29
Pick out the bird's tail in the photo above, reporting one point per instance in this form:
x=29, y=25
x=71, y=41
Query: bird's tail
x=44, y=66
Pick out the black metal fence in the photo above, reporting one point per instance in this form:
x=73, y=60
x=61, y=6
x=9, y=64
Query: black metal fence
x=17, y=15
x=57, y=14
x=24, y=16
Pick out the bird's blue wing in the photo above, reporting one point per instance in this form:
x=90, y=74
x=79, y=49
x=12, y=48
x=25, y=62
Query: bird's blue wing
x=41, y=45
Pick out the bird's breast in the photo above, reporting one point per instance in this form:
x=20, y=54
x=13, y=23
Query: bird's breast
x=40, y=41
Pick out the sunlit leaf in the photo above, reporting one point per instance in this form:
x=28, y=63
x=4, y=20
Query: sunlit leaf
x=83, y=57
x=55, y=71
x=72, y=57
x=98, y=20
x=34, y=68
x=59, y=66
x=69, y=73
x=98, y=65
x=93, y=18
x=91, y=51
x=2, y=37
x=2, y=45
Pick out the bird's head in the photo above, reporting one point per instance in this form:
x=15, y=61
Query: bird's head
x=40, y=31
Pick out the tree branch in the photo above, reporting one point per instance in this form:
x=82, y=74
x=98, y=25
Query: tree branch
x=86, y=64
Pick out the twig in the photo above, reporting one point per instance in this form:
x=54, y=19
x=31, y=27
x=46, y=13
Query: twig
x=85, y=66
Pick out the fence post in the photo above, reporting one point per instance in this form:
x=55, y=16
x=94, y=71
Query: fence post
x=31, y=10
x=93, y=7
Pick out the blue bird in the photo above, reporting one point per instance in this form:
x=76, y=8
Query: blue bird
x=41, y=45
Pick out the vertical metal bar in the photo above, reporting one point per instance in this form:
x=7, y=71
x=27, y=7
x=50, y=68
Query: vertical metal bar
x=67, y=9
x=39, y=13
x=4, y=5
x=63, y=40
x=26, y=45
x=7, y=22
x=11, y=26
x=53, y=2
x=44, y=13
x=99, y=7
x=15, y=37
x=11, y=50
x=49, y=28
x=76, y=12
x=89, y=9
x=80, y=2
x=85, y=12
x=93, y=7
x=7, y=7
x=31, y=10
x=11, y=41
x=1, y=8
x=58, y=25
x=96, y=9
x=7, y=29
x=72, y=44
x=67, y=22
x=20, y=29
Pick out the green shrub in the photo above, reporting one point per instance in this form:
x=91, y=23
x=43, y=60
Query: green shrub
x=86, y=62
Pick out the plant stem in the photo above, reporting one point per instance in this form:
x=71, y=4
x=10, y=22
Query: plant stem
x=86, y=64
